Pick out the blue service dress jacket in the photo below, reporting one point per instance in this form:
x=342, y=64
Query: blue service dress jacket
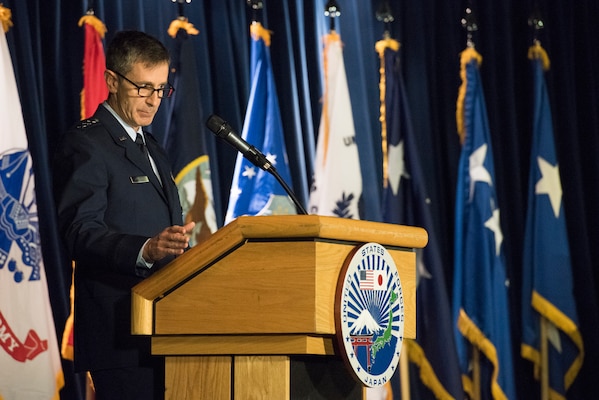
x=109, y=203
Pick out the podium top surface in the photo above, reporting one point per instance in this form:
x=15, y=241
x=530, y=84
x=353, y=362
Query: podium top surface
x=280, y=227
x=325, y=227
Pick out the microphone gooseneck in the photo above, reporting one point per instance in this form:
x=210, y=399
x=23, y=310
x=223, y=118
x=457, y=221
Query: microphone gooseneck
x=222, y=129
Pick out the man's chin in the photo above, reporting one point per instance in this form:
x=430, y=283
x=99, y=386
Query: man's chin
x=145, y=121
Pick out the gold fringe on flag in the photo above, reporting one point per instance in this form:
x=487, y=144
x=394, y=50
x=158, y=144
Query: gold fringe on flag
x=5, y=18
x=536, y=51
x=477, y=338
x=380, y=48
x=92, y=20
x=427, y=373
x=66, y=348
x=465, y=57
x=259, y=32
x=562, y=322
x=181, y=23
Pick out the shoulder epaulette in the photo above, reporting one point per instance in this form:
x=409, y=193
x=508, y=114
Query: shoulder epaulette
x=86, y=123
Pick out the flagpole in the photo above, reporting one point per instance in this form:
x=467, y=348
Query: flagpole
x=404, y=373
x=536, y=22
x=331, y=9
x=544, y=358
x=470, y=23
x=385, y=15
x=475, y=373
x=180, y=6
x=255, y=5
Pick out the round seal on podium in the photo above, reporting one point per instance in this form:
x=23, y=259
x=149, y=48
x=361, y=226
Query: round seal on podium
x=369, y=314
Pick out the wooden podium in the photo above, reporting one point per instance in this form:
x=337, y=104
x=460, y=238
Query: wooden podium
x=232, y=313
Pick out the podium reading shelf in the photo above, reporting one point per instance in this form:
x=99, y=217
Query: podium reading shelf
x=231, y=314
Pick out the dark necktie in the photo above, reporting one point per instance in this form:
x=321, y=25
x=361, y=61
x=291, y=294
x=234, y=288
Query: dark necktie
x=139, y=141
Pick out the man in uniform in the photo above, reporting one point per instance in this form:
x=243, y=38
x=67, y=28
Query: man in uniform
x=120, y=217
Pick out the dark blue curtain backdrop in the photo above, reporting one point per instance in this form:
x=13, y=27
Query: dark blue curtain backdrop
x=47, y=49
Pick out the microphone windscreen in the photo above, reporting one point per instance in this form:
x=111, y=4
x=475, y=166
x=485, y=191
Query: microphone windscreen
x=215, y=124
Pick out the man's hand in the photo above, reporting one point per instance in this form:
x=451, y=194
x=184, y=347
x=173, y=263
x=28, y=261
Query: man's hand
x=171, y=241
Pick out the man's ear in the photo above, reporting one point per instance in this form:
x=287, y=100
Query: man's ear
x=111, y=81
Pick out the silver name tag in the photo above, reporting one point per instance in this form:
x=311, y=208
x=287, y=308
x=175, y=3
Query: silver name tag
x=139, y=179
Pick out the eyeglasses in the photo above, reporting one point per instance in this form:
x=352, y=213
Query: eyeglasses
x=147, y=91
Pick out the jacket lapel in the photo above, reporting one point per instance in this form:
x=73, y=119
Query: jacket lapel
x=132, y=152
x=169, y=188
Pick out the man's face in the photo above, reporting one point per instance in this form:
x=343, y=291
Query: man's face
x=136, y=111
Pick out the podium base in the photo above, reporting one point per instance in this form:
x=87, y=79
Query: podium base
x=259, y=377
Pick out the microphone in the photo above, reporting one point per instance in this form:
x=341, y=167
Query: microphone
x=222, y=129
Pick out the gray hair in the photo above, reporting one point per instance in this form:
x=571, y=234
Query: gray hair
x=130, y=47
